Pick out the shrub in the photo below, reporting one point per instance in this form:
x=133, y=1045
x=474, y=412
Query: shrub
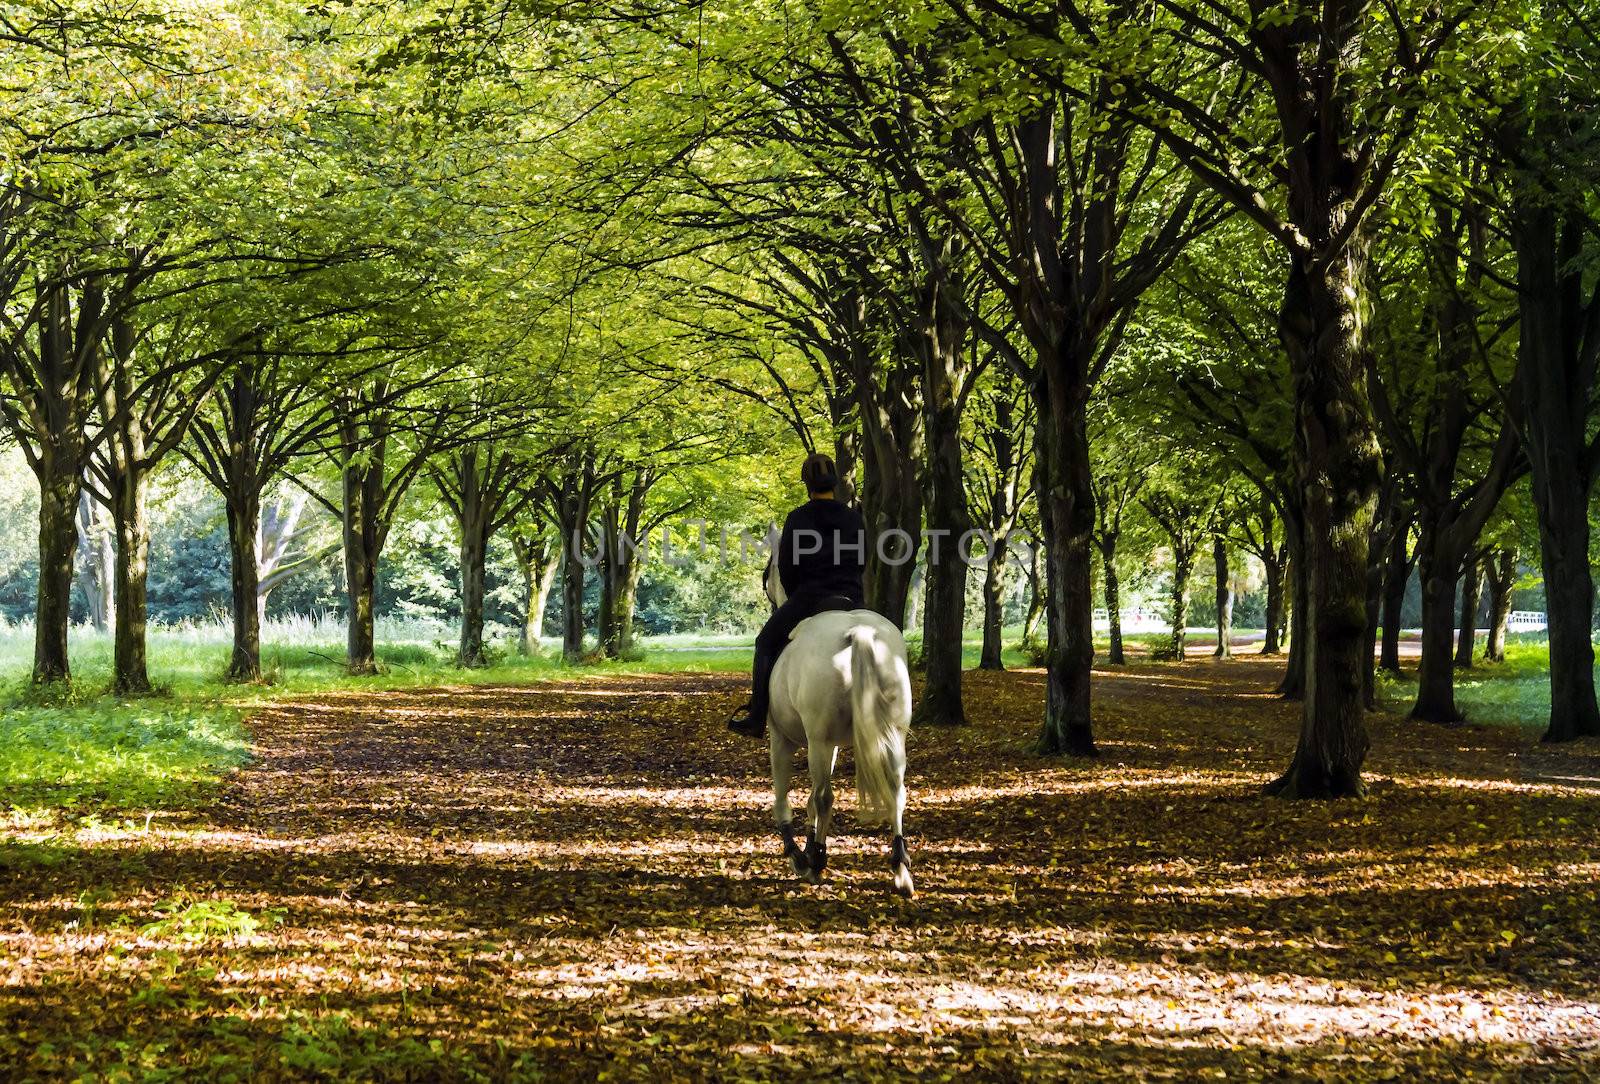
x=1035, y=651
x=1164, y=651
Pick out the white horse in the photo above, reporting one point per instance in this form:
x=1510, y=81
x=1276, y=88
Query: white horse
x=842, y=680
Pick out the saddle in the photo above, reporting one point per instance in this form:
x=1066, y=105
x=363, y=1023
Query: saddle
x=830, y=603
x=821, y=605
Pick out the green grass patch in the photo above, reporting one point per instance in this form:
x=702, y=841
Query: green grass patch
x=149, y=753
x=1511, y=693
x=200, y=920
x=1515, y=692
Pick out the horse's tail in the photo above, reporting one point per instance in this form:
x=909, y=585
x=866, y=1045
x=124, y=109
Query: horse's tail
x=880, y=702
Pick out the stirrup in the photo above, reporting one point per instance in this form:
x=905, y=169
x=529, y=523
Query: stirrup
x=742, y=722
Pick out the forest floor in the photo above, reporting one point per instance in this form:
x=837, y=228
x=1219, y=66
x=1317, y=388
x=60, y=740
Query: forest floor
x=578, y=880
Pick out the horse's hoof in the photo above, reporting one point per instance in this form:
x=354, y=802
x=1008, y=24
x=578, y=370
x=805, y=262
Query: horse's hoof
x=813, y=876
x=802, y=868
x=903, y=884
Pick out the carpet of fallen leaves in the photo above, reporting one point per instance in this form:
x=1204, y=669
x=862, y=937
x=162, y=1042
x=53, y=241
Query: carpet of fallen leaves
x=578, y=880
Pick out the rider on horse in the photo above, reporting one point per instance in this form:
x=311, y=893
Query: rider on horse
x=821, y=561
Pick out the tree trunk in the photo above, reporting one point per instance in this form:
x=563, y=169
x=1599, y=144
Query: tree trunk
x=949, y=518
x=628, y=604
x=1396, y=571
x=1270, y=643
x=1377, y=544
x=1180, y=606
x=1293, y=685
x=97, y=562
x=1113, y=585
x=1555, y=381
x=608, y=636
x=846, y=453
x=1502, y=569
x=51, y=398
x=61, y=484
x=1036, y=591
x=943, y=622
x=1471, y=595
x=476, y=488
x=892, y=507
x=891, y=497
x=1569, y=615
x=1389, y=521
x=361, y=549
x=129, y=510
x=540, y=563
x=243, y=501
x=473, y=560
x=1219, y=559
x=916, y=594
x=1066, y=509
x=572, y=577
x=994, y=599
x=1339, y=467
x=620, y=567
x=275, y=535
x=361, y=637
x=1438, y=568
x=1006, y=461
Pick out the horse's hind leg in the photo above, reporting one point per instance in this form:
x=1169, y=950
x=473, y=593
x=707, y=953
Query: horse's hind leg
x=819, y=758
x=782, y=816
x=899, y=858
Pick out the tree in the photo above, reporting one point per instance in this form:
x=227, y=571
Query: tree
x=1447, y=430
x=1538, y=130
x=1397, y=567
x=1258, y=533
x=1212, y=338
x=487, y=487
x=1185, y=519
x=78, y=157
x=52, y=378
x=569, y=491
x=149, y=382
x=1328, y=103
x=1053, y=231
x=1472, y=581
x=1122, y=463
x=383, y=440
x=97, y=561
x=1502, y=577
x=998, y=468
x=269, y=410
x=538, y=555
x=1224, y=596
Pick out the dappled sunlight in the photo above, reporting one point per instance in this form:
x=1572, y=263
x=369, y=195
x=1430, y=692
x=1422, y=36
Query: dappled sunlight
x=586, y=871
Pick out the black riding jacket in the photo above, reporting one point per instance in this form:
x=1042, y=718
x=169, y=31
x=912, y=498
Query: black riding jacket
x=823, y=550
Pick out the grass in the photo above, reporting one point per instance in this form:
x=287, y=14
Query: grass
x=1512, y=693
x=148, y=754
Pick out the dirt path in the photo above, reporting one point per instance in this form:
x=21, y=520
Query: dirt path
x=579, y=880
